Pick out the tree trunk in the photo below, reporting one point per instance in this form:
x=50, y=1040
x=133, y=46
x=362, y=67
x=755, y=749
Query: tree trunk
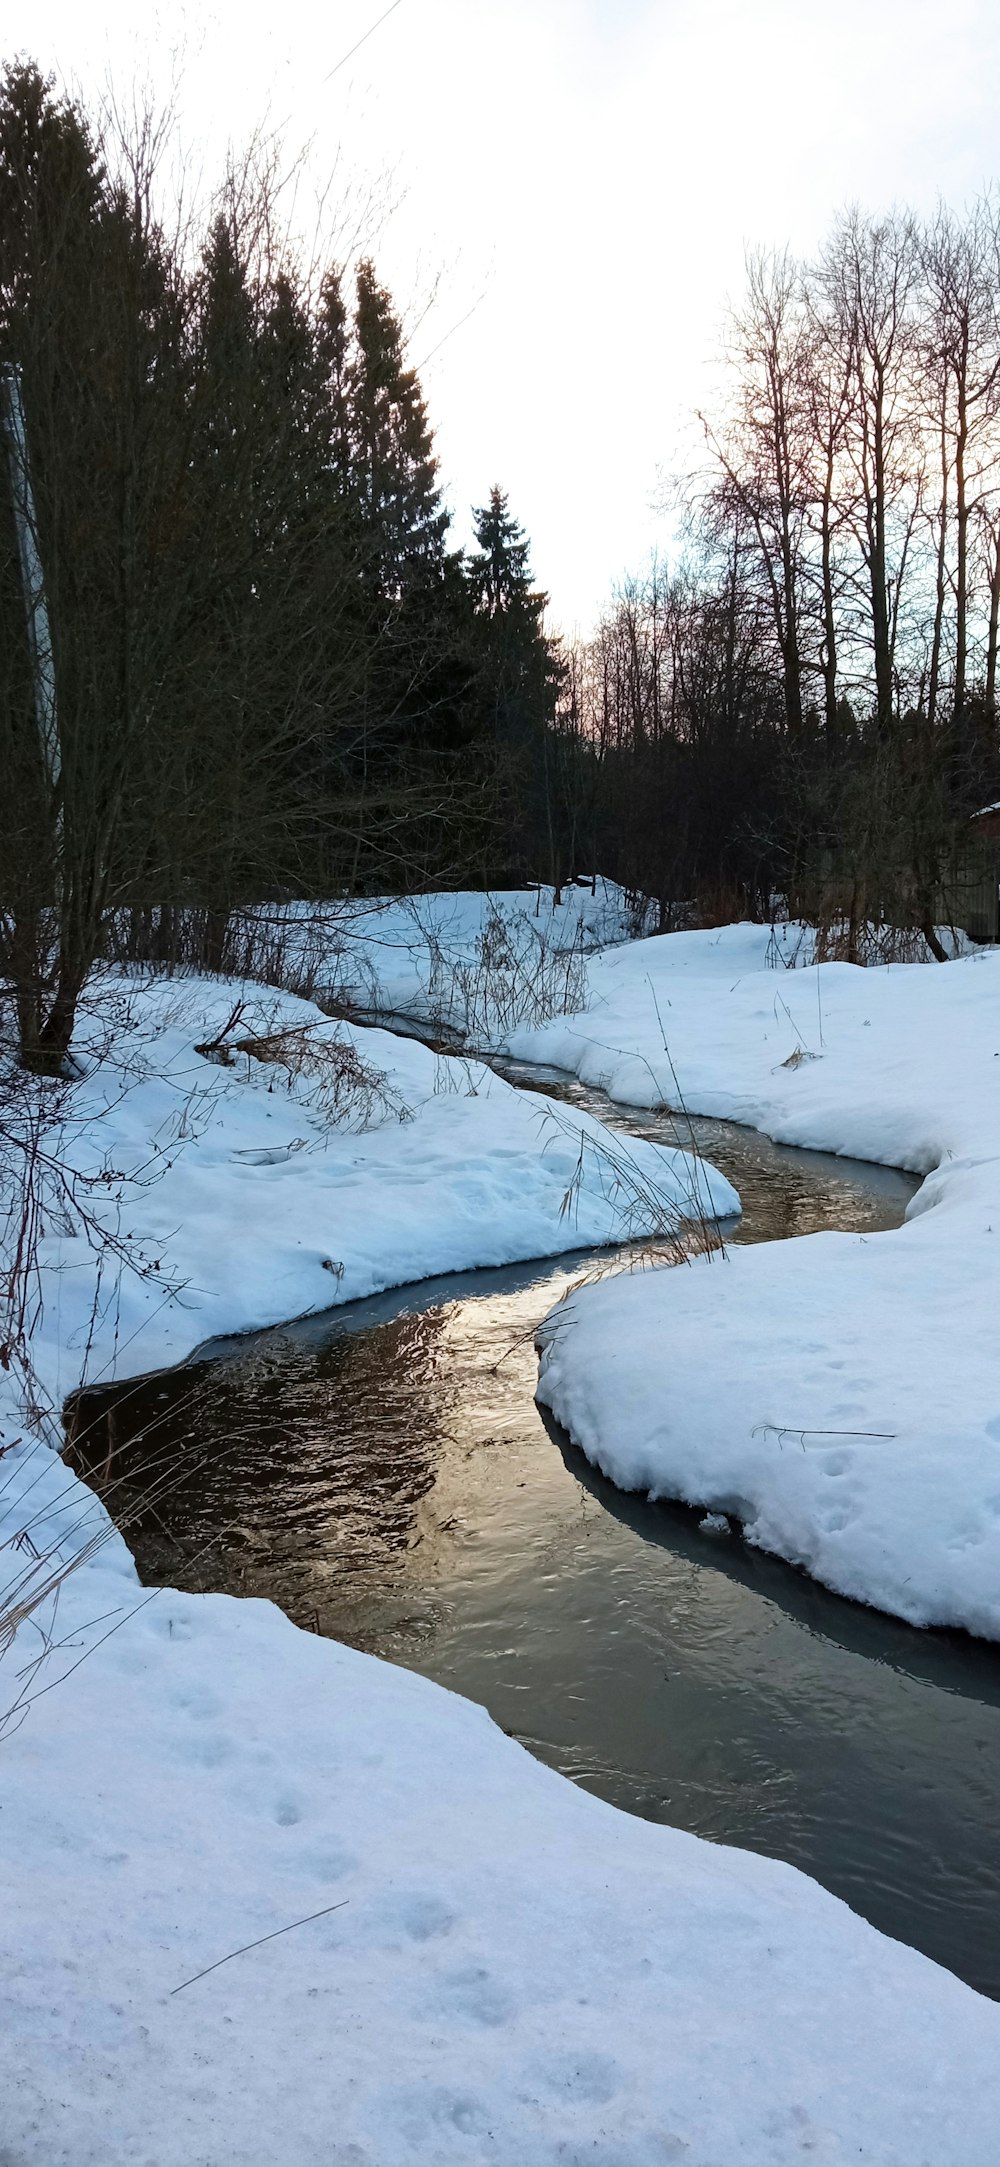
x=941, y=582
x=962, y=540
x=829, y=613
x=994, y=623
x=930, y=935
x=877, y=567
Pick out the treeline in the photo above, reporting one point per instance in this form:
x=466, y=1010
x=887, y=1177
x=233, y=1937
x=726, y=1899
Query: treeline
x=271, y=672
x=263, y=669
x=811, y=707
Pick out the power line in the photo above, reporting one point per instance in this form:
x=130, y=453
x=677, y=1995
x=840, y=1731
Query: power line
x=369, y=33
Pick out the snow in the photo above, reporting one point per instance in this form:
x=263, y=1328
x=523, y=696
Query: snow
x=838, y=1394
x=259, y=1209
x=520, y=1973
x=472, y=963
x=516, y=1971
x=481, y=966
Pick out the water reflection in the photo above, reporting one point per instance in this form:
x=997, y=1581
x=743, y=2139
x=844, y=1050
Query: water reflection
x=384, y=1474
x=784, y=1191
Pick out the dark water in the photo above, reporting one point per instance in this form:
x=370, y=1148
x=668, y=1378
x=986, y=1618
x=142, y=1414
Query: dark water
x=384, y=1474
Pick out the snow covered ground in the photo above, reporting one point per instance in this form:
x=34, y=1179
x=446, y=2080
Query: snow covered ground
x=485, y=965
x=519, y=1974
x=478, y=964
x=516, y=1972
x=837, y=1395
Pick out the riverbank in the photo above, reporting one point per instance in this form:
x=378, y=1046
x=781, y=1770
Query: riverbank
x=256, y=1161
x=837, y=1396
x=490, y=1964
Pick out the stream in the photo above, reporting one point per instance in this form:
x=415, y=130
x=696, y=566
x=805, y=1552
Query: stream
x=383, y=1473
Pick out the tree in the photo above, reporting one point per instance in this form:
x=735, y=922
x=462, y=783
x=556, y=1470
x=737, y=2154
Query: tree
x=520, y=673
x=393, y=465
x=869, y=279
x=855, y=493
x=87, y=315
x=683, y=710
x=521, y=661
x=961, y=365
x=264, y=653
x=763, y=452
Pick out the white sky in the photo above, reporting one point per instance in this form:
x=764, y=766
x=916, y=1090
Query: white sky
x=588, y=172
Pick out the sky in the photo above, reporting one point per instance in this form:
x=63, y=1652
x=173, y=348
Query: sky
x=560, y=194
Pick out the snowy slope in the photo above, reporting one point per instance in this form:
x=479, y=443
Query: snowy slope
x=840, y=1394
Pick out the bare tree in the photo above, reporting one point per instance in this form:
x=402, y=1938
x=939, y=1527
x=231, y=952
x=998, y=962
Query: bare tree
x=961, y=262
x=762, y=449
x=868, y=279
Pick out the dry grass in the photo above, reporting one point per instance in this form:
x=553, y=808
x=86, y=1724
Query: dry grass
x=321, y=1067
x=517, y=978
x=660, y=1228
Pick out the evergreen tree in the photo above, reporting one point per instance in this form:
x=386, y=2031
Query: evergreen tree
x=520, y=672
x=333, y=347
x=521, y=667
x=395, y=471
x=88, y=319
x=268, y=664
x=500, y=577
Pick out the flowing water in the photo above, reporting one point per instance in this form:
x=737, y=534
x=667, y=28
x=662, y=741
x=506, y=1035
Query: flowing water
x=383, y=1473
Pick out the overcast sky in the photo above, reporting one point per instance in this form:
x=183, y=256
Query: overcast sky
x=583, y=175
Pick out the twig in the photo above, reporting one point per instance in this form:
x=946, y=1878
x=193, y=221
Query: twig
x=259, y=1943
x=781, y=1430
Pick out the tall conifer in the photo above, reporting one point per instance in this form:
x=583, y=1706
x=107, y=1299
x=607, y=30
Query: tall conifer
x=394, y=465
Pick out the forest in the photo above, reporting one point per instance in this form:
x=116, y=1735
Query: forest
x=808, y=706
x=265, y=671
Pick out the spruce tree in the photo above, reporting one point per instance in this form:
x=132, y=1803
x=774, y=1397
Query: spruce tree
x=499, y=573
x=88, y=319
x=521, y=664
x=266, y=657
x=333, y=336
x=395, y=470
x=519, y=677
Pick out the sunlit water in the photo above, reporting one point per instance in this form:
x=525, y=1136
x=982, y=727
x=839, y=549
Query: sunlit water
x=383, y=1473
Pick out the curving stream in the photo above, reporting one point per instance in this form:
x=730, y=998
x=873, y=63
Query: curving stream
x=383, y=1473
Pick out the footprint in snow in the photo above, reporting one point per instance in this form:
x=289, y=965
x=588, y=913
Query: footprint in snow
x=834, y=1522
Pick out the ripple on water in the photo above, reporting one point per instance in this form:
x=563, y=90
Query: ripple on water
x=384, y=1474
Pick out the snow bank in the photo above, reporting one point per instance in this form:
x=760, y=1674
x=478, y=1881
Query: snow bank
x=519, y=1973
x=473, y=963
x=250, y=1207
x=485, y=965
x=516, y=1972
x=838, y=1395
